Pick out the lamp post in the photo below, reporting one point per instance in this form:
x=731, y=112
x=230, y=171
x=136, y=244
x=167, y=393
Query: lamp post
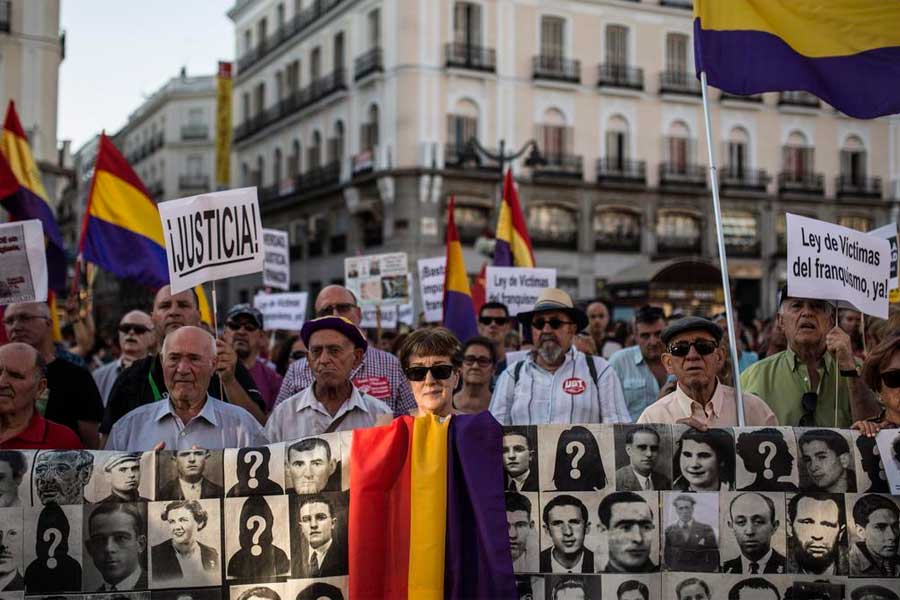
x=474, y=151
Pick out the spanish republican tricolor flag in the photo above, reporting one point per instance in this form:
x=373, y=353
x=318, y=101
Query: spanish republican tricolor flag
x=23, y=194
x=513, y=247
x=846, y=52
x=427, y=511
x=121, y=231
x=459, y=309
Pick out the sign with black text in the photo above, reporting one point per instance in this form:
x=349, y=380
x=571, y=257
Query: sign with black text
x=282, y=311
x=431, y=286
x=517, y=287
x=378, y=278
x=23, y=270
x=277, y=260
x=889, y=232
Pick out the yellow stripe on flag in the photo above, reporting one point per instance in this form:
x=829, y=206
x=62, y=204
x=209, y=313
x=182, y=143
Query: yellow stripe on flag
x=119, y=203
x=20, y=160
x=457, y=280
x=205, y=310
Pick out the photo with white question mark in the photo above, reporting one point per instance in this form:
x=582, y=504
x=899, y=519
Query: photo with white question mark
x=52, y=549
x=576, y=458
x=767, y=459
x=256, y=537
x=254, y=471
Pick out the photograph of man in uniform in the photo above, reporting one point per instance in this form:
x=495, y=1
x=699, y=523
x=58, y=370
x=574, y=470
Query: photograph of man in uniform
x=13, y=467
x=318, y=539
x=519, y=461
x=191, y=478
x=123, y=473
x=312, y=466
x=767, y=460
x=11, y=549
x=645, y=468
x=631, y=526
x=116, y=541
x=754, y=522
x=754, y=588
x=566, y=523
x=816, y=533
x=60, y=475
x=826, y=462
x=877, y=525
x=56, y=571
x=521, y=532
x=689, y=544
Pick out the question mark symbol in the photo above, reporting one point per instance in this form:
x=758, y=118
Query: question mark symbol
x=769, y=450
x=259, y=523
x=576, y=448
x=256, y=458
x=57, y=536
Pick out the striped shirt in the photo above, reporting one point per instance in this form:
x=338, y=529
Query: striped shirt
x=568, y=395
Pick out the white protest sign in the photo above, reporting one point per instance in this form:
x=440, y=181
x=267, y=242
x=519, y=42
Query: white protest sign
x=516, y=287
x=370, y=316
x=431, y=286
x=378, y=278
x=282, y=311
x=23, y=268
x=406, y=314
x=212, y=236
x=889, y=232
x=830, y=262
x=277, y=261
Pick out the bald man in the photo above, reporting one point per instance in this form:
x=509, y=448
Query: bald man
x=73, y=398
x=136, y=339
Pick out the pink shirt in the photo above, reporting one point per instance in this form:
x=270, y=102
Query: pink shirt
x=721, y=411
x=268, y=382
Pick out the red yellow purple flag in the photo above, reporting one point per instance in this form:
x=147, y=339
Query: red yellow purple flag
x=459, y=309
x=513, y=248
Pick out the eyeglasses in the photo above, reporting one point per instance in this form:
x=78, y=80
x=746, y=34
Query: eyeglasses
x=439, y=372
x=13, y=319
x=335, y=309
x=809, y=401
x=682, y=349
x=554, y=323
x=496, y=320
x=483, y=361
x=891, y=379
x=137, y=328
x=245, y=325
x=298, y=354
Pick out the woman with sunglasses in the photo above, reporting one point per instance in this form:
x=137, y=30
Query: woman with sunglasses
x=479, y=361
x=431, y=359
x=881, y=372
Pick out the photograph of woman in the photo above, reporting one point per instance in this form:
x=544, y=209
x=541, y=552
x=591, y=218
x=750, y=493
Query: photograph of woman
x=703, y=461
x=578, y=466
x=182, y=560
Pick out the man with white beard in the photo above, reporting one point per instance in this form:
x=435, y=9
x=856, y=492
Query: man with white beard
x=556, y=383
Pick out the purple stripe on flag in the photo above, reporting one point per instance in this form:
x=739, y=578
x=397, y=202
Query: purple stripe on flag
x=864, y=85
x=502, y=254
x=125, y=254
x=25, y=205
x=477, y=560
x=459, y=315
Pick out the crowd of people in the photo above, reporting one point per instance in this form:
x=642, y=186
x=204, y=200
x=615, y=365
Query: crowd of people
x=170, y=382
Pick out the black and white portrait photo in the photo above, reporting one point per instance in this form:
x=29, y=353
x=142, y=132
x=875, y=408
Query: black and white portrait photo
x=60, y=476
x=256, y=536
x=194, y=474
x=873, y=589
x=888, y=441
x=629, y=526
x=703, y=461
x=52, y=549
x=870, y=474
x=520, y=458
x=15, y=480
x=145, y=595
x=766, y=459
x=326, y=588
x=755, y=587
x=115, y=547
x=690, y=539
x=524, y=530
x=874, y=526
x=576, y=458
x=121, y=477
x=254, y=471
x=816, y=534
x=818, y=588
x=690, y=586
x=826, y=461
x=318, y=535
x=268, y=591
x=188, y=594
x=642, y=457
x=568, y=532
x=12, y=550
x=632, y=587
x=185, y=540
x=313, y=465
x=573, y=587
x=753, y=538
x=530, y=587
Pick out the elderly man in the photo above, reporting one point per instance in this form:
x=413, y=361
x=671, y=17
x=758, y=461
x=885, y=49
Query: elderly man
x=878, y=530
x=244, y=333
x=73, y=398
x=136, y=339
x=599, y=313
x=332, y=403
x=799, y=383
x=556, y=383
x=694, y=355
x=61, y=475
x=188, y=415
x=379, y=374
x=23, y=380
x=639, y=368
x=123, y=472
x=143, y=382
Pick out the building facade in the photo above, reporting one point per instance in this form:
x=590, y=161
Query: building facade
x=353, y=117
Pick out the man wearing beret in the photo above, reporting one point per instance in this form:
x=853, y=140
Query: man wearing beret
x=694, y=355
x=332, y=403
x=123, y=472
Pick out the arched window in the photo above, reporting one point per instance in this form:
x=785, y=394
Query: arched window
x=369, y=130
x=853, y=162
x=738, y=149
x=617, y=229
x=617, y=141
x=679, y=148
x=276, y=166
x=555, y=137
x=471, y=221
x=462, y=124
x=553, y=226
x=678, y=232
x=741, y=230
x=336, y=144
x=797, y=157
x=314, y=152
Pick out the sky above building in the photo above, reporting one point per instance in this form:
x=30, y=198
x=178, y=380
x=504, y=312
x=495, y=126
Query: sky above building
x=118, y=53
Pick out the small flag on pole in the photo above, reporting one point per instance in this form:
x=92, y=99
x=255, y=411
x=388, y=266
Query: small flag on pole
x=513, y=248
x=459, y=310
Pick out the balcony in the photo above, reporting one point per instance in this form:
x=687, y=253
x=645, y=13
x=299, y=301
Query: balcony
x=755, y=98
x=318, y=177
x=621, y=171
x=679, y=245
x=557, y=239
x=5, y=15
x=682, y=176
x=470, y=56
x=620, y=76
x=744, y=180
x=556, y=68
x=806, y=184
x=798, y=99
x=858, y=187
x=457, y=157
x=193, y=182
x=679, y=82
x=368, y=63
x=194, y=132
x=687, y=4
x=617, y=241
x=560, y=166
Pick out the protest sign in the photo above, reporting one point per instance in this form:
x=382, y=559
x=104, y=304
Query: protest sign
x=406, y=314
x=516, y=287
x=282, y=311
x=277, y=262
x=370, y=316
x=378, y=278
x=431, y=286
x=889, y=232
x=23, y=270
x=212, y=236
x=830, y=262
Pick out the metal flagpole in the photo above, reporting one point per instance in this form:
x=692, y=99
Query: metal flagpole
x=215, y=326
x=723, y=259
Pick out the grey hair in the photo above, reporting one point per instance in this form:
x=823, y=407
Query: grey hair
x=212, y=340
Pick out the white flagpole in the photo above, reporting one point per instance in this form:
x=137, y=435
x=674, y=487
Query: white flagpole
x=723, y=259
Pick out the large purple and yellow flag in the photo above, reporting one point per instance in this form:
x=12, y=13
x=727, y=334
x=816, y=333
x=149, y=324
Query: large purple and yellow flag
x=513, y=247
x=846, y=52
x=459, y=309
x=428, y=517
x=28, y=200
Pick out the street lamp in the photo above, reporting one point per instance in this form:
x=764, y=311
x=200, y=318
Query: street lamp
x=474, y=151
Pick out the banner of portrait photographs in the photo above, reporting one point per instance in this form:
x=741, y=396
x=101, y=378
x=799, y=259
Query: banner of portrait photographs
x=621, y=512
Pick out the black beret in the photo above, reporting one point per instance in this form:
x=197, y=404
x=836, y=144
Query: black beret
x=691, y=324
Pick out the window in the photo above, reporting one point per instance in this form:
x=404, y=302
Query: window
x=853, y=161
x=339, y=51
x=738, y=144
x=279, y=14
x=553, y=135
x=195, y=165
x=314, y=153
x=553, y=37
x=279, y=86
x=369, y=130
x=617, y=229
x=856, y=222
x=260, y=98
x=260, y=169
x=467, y=24
x=261, y=28
x=293, y=76
x=276, y=166
x=471, y=222
x=374, y=27
x=315, y=64
x=741, y=231
x=553, y=226
x=617, y=142
x=797, y=157
x=677, y=232
x=248, y=40
x=462, y=125
x=617, y=45
x=336, y=144
x=676, y=53
x=195, y=116
x=679, y=148
x=245, y=106
x=293, y=166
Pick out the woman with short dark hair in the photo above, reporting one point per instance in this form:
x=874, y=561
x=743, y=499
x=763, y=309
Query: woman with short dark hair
x=704, y=461
x=431, y=359
x=881, y=372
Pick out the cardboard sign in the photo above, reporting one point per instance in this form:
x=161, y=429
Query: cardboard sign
x=431, y=285
x=23, y=268
x=378, y=278
x=282, y=311
x=516, y=287
x=277, y=260
x=212, y=236
x=889, y=232
x=830, y=262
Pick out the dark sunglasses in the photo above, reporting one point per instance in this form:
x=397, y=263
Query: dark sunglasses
x=298, y=354
x=335, y=309
x=682, y=349
x=809, y=401
x=495, y=320
x=127, y=328
x=245, y=325
x=891, y=379
x=483, y=361
x=439, y=372
x=554, y=323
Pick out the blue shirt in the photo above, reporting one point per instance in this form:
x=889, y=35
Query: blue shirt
x=639, y=385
